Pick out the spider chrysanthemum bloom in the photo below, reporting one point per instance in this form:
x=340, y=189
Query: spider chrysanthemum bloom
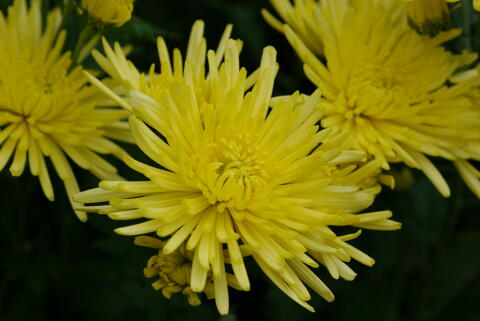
x=116, y=12
x=398, y=96
x=231, y=173
x=153, y=84
x=48, y=109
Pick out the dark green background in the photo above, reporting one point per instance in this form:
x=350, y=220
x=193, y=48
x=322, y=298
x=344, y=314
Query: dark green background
x=52, y=267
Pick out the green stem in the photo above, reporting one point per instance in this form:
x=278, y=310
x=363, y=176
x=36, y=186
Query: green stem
x=67, y=10
x=45, y=7
x=476, y=36
x=467, y=26
x=83, y=39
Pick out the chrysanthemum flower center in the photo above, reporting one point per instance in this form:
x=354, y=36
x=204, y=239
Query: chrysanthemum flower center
x=49, y=83
x=236, y=174
x=374, y=91
x=371, y=90
x=384, y=80
x=43, y=93
x=377, y=75
x=49, y=86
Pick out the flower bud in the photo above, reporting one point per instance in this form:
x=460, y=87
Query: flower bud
x=115, y=12
x=429, y=16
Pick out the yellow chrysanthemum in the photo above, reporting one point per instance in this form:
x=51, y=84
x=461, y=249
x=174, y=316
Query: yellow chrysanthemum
x=431, y=16
x=233, y=175
x=397, y=97
x=48, y=110
x=116, y=12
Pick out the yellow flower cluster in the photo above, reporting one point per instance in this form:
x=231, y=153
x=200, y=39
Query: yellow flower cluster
x=234, y=177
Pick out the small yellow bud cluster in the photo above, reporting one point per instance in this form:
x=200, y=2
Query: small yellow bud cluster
x=173, y=270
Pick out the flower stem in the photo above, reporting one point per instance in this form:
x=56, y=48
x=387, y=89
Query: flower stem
x=45, y=7
x=67, y=10
x=87, y=33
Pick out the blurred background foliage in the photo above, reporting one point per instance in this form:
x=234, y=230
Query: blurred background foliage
x=52, y=267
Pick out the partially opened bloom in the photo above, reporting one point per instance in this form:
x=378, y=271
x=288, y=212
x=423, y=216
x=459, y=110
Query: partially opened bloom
x=398, y=97
x=431, y=16
x=116, y=12
x=232, y=177
x=174, y=270
x=47, y=108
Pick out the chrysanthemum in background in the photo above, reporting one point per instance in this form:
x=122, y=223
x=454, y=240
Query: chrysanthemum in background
x=114, y=12
x=425, y=16
x=47, y=108
x=234, y=177
x=301, y=17
x=391, y=92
